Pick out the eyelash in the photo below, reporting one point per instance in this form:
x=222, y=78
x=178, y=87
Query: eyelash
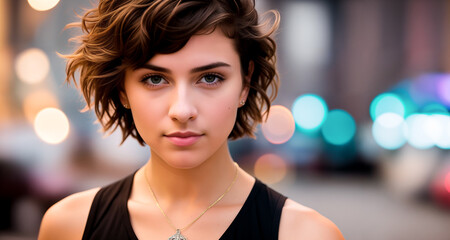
x=219, y=77
x=146, y=77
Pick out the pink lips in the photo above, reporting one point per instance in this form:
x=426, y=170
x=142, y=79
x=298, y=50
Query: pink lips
x=183, y=139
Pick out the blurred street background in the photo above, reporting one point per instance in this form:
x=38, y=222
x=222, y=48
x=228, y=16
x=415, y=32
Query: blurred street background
x=360, y=130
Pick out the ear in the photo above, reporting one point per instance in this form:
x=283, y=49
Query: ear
x=124, y=99
x=246, y=85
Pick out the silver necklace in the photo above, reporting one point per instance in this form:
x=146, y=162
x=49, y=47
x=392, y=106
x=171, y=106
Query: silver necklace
x=178, y=235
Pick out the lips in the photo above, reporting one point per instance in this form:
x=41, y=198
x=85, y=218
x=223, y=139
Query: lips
x=183, y=139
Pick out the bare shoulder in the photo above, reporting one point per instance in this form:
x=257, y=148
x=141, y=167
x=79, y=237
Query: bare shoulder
x=66, y=219
x=300, y=222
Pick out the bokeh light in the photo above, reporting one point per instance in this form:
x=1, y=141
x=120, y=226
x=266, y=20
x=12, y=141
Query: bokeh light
x=423, y=89
x=51, y=125
x=36, y=101
x=32, y=66
x=447, y=182
x=437, y=128
x=402, y=90
x=387, y=102
x=280, y=125
x=443, y=90
x=440, y=186
x=42, y=5
x=339, y=127
x=434, y=108
x=416, y=133
x=309, y=112
x=388, y=131
x=270, y=168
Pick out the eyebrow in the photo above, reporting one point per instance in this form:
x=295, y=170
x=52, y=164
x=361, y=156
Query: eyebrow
x=194, y=70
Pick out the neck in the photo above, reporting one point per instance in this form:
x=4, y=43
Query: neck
x=201, y=184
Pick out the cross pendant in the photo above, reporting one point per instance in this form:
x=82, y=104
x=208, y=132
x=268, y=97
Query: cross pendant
x=177, y=236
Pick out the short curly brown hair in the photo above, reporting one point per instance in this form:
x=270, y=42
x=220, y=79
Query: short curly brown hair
x=122, y=34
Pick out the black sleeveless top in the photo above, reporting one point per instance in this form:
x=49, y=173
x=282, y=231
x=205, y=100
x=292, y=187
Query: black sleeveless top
x=259, y=217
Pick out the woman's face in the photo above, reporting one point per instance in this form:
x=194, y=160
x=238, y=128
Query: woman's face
x=184, y=104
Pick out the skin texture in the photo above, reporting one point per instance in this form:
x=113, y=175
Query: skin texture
x=183, y=100
x=187, y=175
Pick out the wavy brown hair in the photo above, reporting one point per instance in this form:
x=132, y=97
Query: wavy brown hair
x=122, y=34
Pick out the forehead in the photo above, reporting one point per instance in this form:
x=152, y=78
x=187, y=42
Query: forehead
x=201, y=49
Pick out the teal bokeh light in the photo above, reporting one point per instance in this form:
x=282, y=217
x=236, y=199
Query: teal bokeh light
x=387, y=103
x=309, y=112
x=403, y=93
x=434, y=108
x=339, y=127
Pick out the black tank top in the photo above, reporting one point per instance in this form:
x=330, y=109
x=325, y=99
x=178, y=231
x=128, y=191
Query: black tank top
x=259, y=217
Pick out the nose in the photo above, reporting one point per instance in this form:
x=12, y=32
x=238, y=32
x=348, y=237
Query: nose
x=182, y=107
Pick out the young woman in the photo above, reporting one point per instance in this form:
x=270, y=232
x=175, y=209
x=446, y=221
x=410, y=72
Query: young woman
x=182, y=76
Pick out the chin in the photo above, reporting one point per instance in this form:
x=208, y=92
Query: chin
x=183, y=161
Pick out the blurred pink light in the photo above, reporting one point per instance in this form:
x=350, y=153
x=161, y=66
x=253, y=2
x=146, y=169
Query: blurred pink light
x=280, y=125
x=447, y=182
x=443, y=89
x=440, y=187
x=53, y=185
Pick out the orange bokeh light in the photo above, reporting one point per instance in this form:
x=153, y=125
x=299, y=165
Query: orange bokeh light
x=43, y=5
x=51, y=125
x=36, y=101
x=32, y=66
x=280, y=125
x=270, y=168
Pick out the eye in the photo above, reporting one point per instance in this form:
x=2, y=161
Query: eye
x=154, y=80
x=211, y=79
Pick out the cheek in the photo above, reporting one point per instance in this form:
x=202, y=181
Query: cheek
x=145, y=115
x=222, y=113
x=225, y=112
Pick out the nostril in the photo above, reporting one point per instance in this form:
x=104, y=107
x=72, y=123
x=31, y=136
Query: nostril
x=182, y=114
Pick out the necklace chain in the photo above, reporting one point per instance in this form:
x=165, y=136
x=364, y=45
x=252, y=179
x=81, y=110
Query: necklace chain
x=195, y=220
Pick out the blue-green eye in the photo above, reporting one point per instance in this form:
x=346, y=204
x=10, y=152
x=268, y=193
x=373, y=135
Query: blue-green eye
x=211, y=79
x=154, y=80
